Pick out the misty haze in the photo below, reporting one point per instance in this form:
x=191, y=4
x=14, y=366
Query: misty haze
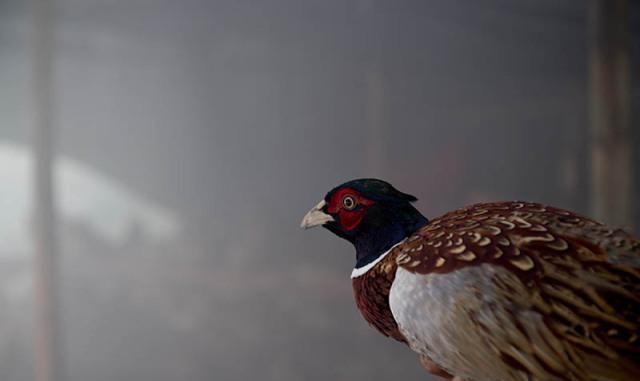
x=190, y=137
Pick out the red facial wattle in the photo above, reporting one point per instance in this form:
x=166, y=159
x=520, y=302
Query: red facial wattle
x=348, y=219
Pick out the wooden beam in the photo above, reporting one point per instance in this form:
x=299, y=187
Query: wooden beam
x=48, y=364
x=610, y=102
x=377, y=161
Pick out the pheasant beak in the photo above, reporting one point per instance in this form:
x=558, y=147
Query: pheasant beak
x=316, y=217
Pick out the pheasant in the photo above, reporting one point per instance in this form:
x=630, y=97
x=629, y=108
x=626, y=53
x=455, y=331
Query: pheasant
x=504, y=291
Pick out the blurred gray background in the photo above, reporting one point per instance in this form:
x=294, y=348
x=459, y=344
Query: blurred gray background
x=185, y=140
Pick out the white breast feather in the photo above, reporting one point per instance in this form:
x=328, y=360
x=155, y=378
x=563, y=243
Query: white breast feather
x=434, y=313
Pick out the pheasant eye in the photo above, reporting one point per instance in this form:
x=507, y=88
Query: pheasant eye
x=349, y=202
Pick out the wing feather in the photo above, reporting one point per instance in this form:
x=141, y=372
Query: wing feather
x=563, y=301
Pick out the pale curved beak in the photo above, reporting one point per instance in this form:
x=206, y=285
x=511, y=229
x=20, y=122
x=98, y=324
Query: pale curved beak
x=316, y=217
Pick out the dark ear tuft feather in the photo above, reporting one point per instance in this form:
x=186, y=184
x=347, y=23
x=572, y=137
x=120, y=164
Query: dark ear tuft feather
x=410, y=198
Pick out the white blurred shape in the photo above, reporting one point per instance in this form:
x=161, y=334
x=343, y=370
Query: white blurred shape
x=109, y=208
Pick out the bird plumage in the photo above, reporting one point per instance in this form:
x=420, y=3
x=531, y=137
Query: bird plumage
x=521, y=284
x=509, y=291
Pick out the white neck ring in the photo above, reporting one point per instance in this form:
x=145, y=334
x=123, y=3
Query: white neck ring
x=359, y=271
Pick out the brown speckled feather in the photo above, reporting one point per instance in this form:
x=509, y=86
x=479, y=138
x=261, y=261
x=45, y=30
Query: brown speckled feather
x=371, y=292
x=582, y=277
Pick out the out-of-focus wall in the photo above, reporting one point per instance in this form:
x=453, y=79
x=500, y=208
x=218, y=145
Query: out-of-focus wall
x=192, y=136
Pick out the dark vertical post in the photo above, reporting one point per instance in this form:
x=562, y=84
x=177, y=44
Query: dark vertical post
x=611, y=151
x=376, y=141
x=48, y=366
x=375, y=99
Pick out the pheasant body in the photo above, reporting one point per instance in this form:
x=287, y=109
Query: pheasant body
x=503, y=291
